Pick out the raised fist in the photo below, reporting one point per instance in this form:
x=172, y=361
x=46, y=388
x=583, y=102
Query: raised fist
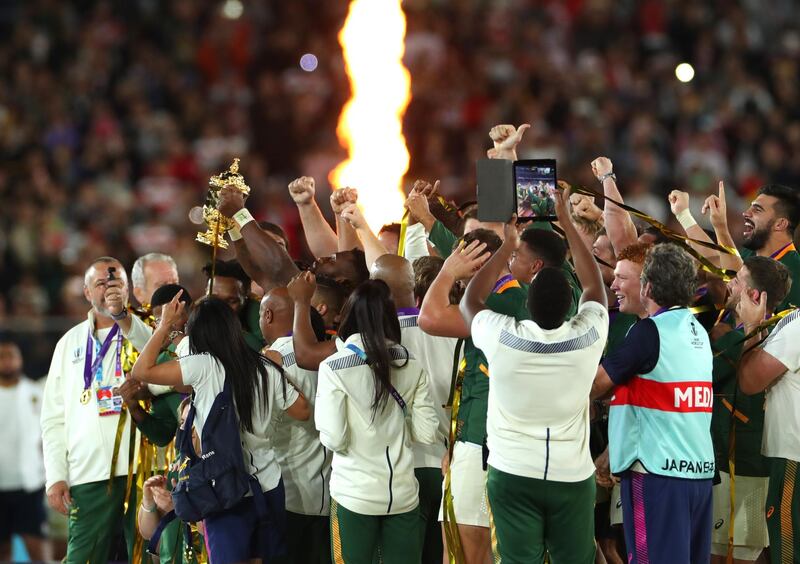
x=601, y=166
x=230, y=201
x=583, y=207
x=302, y=190
x=341, y=198
x=302, y=286
x=678, y=201
x=352, y=214
x=115, y=296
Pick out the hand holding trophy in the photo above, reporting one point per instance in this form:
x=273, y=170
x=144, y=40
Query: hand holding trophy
x=219, y=224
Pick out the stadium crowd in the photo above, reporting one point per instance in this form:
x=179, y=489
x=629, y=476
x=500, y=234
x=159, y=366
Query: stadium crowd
x=359, y=363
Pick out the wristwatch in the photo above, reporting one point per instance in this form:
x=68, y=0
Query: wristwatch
x=602, y=177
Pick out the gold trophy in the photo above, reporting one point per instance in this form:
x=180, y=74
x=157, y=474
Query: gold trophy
x=217, y=223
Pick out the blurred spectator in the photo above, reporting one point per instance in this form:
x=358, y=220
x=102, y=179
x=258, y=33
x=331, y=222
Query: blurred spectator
x=114, y=115
x=22, y=509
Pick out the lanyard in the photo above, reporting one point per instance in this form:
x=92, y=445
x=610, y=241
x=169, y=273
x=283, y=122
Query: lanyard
x=663, y=309
x=407, y=311
x=392, y=390
x=90, y=367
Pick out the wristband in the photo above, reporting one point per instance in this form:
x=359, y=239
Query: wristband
x=602, y=177
x=121, y=315
x=243, y=217
x=686, y=219
x=234, y=233
x=150, y=509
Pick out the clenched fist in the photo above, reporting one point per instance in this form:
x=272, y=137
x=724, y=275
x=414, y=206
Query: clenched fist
x=678, y=201
x=601, y=166
x=302, y=190
x=583, y=207
x=231, y=201
x=341, y=198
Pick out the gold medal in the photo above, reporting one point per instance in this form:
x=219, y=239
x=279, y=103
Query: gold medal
x=85, y=396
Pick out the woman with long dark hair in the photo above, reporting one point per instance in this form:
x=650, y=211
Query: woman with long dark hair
x=260, y=392
x=372, y=402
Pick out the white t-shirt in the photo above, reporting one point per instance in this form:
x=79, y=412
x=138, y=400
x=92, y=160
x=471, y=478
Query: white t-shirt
x=538, y=416
x=305, y=463
x=205, y=374
x=22, y=464
x=10, y=439
x=435, y=354
x=782, y=410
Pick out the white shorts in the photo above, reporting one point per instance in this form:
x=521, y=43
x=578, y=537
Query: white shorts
x=468, y=485
x=750, y=523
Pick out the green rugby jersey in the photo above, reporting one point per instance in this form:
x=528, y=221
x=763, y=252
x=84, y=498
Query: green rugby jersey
x=510, y=299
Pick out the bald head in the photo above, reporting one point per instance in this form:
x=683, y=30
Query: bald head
x=276, y=314
x=398, y=274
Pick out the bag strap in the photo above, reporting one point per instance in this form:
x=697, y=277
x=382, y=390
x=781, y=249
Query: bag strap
x=184, y=436
x=226, y=387
x=392, y=390
x=152, y=545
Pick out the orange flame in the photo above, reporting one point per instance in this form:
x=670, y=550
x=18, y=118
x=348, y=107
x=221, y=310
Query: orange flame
x=370, y=125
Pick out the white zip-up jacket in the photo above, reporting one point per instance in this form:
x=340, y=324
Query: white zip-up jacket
x=78, y=443
x=373, y=462
x=436, y=356
x=305, y=463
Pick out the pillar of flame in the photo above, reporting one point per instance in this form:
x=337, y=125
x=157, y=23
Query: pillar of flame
x=370, y=125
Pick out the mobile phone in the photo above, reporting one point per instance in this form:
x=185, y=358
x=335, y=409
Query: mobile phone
x=111, y=271
x=535, y=185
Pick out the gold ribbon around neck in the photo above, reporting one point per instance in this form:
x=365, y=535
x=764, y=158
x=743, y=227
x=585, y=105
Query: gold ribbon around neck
x=454, y=550
x=681, y=240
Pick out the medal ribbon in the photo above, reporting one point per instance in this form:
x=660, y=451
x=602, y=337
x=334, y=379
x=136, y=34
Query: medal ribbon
x=455, y=553
x=91, y=367
x=680, y=240
x=407, y=311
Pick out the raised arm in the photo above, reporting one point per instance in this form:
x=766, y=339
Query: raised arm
x=320, y=237
x=340, y=199
x=481, y=285
x=308, y=352
x=147, y=368
x=717, y=208
x=506, y=138
x=679, y=204
x=416, y=204
x=373, y=248
x=133, y=328
x=265, y=261
x=438, y=316
x=619, y=225
x=586, y=268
